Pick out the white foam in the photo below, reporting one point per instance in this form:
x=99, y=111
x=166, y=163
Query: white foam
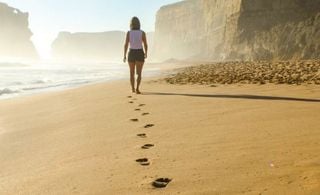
x=17, y=80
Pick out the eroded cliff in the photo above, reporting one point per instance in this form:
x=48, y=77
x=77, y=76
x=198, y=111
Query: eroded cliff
x=238, y=30
x=15, y=35
x=93, y=47
x=101, y=46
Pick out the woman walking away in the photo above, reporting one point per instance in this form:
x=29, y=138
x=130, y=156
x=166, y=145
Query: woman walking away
x=137, y=53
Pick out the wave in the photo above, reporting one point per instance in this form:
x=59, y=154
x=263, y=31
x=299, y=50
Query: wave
x=7, y=91
x=10, y=65
x=17, y=80
x=67, y=84
x=16, y=83
x=41, y=81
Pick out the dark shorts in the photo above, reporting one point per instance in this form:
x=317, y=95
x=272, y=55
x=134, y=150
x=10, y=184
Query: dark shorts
x=136, y=55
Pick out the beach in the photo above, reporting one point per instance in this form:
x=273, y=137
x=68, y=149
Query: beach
x=222, y=139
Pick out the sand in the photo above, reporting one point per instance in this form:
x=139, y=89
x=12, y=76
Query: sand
x=229, y=139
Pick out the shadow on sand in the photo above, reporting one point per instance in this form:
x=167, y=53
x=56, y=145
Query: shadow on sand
x=241, y=96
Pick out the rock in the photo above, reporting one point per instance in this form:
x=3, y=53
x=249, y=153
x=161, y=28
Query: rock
x=238, y=30
x=15, y=35
x=251, y=73
x=92, y=47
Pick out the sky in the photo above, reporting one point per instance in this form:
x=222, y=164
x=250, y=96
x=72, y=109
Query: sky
x=48, y=17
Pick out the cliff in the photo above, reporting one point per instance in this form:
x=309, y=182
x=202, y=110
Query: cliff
x=238, y=30
x=93, y=47
x=101, y=46
x=15, y=35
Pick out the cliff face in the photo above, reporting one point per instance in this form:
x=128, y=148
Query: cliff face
x=285, y=29
x=238, y=29
x=102, y=46
x=15, y=34
x=95, y=47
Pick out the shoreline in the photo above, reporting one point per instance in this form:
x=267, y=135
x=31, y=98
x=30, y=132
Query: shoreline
x=66, y=86
x=228, y=139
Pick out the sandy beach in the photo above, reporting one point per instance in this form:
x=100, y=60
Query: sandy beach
x=227, y=139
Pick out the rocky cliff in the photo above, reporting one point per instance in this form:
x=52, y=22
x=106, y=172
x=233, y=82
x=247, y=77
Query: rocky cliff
x=15, y=35
x=94, y=47
x=100, y=46
x=238, y=30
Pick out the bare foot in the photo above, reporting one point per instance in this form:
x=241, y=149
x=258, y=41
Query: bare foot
x=133, y=90
x=138, y=91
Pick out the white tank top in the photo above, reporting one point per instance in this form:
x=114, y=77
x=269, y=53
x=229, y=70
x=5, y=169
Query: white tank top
x=135, y=39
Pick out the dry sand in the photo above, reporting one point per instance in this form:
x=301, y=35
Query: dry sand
x=248, y=139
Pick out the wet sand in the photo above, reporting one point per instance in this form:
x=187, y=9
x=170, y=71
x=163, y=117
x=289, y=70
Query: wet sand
x=228, y=139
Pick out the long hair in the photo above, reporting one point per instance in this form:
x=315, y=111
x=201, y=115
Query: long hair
x=135, y=23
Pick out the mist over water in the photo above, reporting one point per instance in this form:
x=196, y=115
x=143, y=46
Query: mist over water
x=24, y=79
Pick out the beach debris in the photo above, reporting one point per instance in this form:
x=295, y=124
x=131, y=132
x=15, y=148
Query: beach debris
x=148, y=126
x=161, y=182
x=147, y=146
x=143, y=161
x=134, y=120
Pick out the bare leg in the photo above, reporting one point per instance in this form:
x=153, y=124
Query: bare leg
x=132, y=76
x=139, y=66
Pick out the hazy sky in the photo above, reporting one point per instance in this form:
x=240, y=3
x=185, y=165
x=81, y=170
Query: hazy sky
x=48, y=17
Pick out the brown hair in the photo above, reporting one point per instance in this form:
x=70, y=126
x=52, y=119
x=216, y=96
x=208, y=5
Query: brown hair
x=135, y=23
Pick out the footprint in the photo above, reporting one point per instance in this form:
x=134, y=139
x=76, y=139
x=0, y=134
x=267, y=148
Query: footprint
x=161, y=182
x=134, y=120
x=129, y=96
x=146, y=113
x=138, y=109
x=141, y=105
x=143, y=161
x=149, y=126
x=142, y=135
x=131, y=102
x=147, y=146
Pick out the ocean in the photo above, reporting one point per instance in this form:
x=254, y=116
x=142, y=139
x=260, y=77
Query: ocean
x=25, y=79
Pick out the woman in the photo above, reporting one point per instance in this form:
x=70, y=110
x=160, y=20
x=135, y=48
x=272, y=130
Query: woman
x=137, y=40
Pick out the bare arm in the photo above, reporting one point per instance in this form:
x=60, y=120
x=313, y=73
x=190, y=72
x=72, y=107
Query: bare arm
x=145, y=44
x=126, y=45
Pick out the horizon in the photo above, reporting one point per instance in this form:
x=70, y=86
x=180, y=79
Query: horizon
x=92, y=16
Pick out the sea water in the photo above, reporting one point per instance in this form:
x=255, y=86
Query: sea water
x=24, y=79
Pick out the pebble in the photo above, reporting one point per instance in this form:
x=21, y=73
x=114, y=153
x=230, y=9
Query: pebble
x=260, y=72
